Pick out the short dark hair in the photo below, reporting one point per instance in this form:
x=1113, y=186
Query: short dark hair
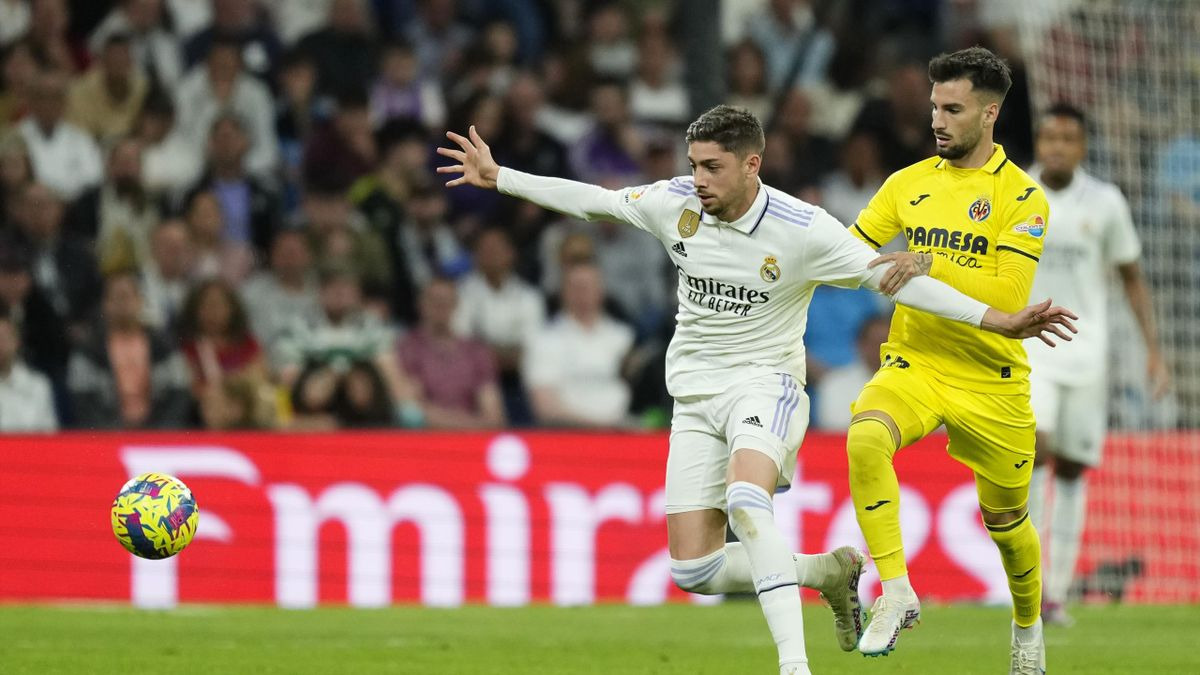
x=986, y=71
x=1063, y=109
x=736, y=130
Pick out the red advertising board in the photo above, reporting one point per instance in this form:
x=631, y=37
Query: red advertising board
x=375, y=518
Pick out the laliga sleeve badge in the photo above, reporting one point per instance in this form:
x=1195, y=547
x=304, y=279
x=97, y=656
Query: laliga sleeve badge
x=769, y=270
x=1034, y=227
x=689, y=223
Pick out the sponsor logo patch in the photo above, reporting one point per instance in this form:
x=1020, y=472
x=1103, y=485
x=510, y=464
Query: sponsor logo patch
x=1034, y=227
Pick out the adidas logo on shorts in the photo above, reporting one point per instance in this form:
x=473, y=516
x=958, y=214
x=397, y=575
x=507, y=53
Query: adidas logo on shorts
x=753, y=421
x=678, y=248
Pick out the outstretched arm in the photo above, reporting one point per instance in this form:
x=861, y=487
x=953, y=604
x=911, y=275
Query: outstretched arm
x=1139, y=301
x=579, y=200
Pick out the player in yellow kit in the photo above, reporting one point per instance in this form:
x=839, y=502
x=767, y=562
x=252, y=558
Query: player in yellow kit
x=975, y=221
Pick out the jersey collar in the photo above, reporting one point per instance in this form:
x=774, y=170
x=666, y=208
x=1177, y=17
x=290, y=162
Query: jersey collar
x=750, y=219
x=994, y=163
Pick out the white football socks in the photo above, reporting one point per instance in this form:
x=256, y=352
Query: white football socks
x=1066, y=529
x=752, y=518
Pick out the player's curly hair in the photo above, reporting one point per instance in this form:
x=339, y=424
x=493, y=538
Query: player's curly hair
x=736, y=130
x=986, y=71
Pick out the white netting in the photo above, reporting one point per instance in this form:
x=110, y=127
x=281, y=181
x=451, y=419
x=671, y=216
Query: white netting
x=1134, y=68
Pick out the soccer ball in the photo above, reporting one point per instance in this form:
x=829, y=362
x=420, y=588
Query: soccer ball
x=154, y=516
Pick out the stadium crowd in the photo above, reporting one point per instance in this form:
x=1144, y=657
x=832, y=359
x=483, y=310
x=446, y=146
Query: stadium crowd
x=223, y=213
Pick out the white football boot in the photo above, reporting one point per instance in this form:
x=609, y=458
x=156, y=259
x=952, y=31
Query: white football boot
x=889, y=615
x=1028, y=655
x=842, y=596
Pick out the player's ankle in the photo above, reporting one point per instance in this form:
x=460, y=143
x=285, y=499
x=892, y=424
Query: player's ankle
x=817, y=570
x=899, y=587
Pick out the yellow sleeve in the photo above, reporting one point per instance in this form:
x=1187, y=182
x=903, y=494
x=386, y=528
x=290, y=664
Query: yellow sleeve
x=1018, y=248
x=1008, y=291
x=879, y=223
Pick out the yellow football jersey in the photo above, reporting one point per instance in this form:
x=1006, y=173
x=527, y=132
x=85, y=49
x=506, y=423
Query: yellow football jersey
x=985, y=229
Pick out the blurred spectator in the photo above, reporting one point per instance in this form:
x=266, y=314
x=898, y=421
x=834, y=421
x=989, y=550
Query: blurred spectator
x=838, y=99
x=16, y=172
x=26, y=402
x=748, y=80
x=296, y=113
x=1179, y=174
x=220, y=88
x=846, y=192
x=317, y=353
x=503, y=311
x=286, y=290
x=401, y=91
x=53, y=47
x=14, y=21
x=189, y=17
x=794, y=43
x=344, y=49
x=457, y=376
x=524, y=146
x=609, y=153
x=633, y=268
x=229, y=374
x=834, y=318
x=293, y=19
x=657, y=94
x=170, y=163
x=20, y=70
x=154, y=47
x=426, y=240
x=343, y=150
x=43, y=333
x=213, y=254
x=611, y=51
x=250, y=209
x=127, y=375
x=841, y=386
x=900, y=121
x=485, y=111
x=576, y=378
x=64, y=156
x=812, y=155
x=119, y=214
x=166, y=278
x=63, y=267
x=240, y=23
x=437, y=37
x=340, y=236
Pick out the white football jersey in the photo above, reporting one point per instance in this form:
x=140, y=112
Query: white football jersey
x=1091, y=230
x=744, y=286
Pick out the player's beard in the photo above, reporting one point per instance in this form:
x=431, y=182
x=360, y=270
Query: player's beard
x=962, y=148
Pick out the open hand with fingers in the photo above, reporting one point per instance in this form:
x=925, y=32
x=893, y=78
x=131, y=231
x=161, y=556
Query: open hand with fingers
x=474, y=159
x=906, y=265
x=1040, y=321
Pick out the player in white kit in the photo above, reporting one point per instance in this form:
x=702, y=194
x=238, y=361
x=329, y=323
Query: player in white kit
x=748, y=258
x=1092, y=234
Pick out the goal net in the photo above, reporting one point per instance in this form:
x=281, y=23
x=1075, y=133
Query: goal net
x=1134, y=68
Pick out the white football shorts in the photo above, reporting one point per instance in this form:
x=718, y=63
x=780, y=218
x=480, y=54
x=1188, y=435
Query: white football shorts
x=768, y=413
x=1075, y=417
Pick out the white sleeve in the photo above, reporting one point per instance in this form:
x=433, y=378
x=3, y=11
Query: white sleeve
x=632, y=205
x=838, y=258
x=1121, y=244
x=930, y=295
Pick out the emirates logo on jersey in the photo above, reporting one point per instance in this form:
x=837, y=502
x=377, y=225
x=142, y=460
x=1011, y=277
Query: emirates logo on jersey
x=980, y=209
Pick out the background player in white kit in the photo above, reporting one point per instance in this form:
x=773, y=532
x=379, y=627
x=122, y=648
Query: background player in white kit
x=1092, y=233
x=748, y=258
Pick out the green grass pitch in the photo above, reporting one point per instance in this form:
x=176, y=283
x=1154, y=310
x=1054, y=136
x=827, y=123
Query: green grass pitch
x=729, y=638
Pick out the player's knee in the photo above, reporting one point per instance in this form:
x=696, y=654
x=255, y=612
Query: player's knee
x=698, y=575
x=1002, y=519
x=1066, y=469
x=871, y=439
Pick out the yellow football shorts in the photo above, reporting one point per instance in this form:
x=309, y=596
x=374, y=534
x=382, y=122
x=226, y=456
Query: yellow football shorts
x=990, y=433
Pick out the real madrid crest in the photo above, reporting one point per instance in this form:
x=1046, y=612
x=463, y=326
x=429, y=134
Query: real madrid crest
x=980, y=209
x=769, y=270
x=689, y=223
